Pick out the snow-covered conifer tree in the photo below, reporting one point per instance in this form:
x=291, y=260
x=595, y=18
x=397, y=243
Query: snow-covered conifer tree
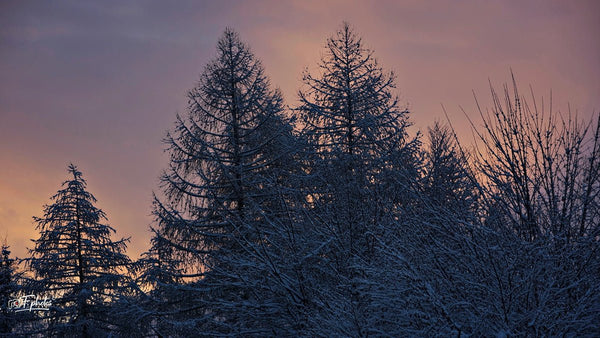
x=76, y=262
x=8, y=290
x=448, y=182
x=362, y=165
x=225, y=194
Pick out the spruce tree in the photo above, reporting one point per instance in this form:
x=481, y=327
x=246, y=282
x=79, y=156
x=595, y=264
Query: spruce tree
x=8, y=290
x=448, y=182
x=75, y=261
x=362, y=165
x=223, y=197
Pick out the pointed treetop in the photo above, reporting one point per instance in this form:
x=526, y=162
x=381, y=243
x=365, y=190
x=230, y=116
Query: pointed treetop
x=77, y=179
x=348, y=42
x=229, y=34
x=5, y=251
x=75, y=184
x=230, y=40
x=347, y=32
x=72, y=169
x=233, y=53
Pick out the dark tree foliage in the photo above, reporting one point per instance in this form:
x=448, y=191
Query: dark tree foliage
x=9, y=289
x=76, y=262
x=362, y=165
x=542, y=168
x=518, y=263
x=160, y=273
x=541, y=183
x=448, y=181
x=345, y=226
x=224, y=193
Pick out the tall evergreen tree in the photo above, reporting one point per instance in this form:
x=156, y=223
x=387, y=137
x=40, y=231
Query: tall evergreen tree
x=8, y=290
x=76, y=261
x=160, y=273
x=230, y=159
x=362, y=163
x=424, y=261
x=448, y=183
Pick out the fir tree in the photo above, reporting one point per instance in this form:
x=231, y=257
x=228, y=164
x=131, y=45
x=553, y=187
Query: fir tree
x=8, y=290
x=448, y=182
x=76, y=262
x=230, y=159
x=362, y=165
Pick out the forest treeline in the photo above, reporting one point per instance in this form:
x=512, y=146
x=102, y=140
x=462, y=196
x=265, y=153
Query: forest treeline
x=329, y=219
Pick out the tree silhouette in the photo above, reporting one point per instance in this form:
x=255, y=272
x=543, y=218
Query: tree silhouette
x=75, y=261
x=230, y=156
x=362, y=165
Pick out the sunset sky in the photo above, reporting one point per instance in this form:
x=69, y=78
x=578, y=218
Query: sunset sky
x=98, y=83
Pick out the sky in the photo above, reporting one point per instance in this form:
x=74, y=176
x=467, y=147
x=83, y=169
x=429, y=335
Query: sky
x=98, y=83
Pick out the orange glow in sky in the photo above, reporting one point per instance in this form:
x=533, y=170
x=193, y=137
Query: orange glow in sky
x=99, y=83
